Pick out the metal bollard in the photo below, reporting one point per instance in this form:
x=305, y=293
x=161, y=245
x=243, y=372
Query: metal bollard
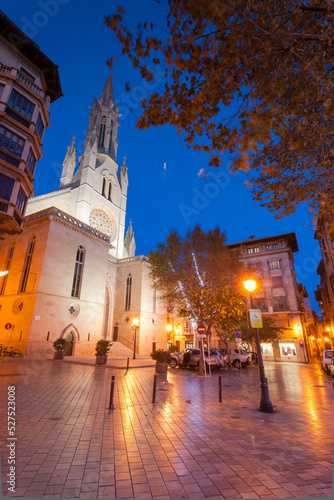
x=127, y=364
x=220, y=389
x=112, y=388
x=154, y=388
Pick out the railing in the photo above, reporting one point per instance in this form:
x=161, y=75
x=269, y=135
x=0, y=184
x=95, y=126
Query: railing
x=23, y=79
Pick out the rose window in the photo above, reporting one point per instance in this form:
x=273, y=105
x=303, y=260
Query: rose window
x=101, y=221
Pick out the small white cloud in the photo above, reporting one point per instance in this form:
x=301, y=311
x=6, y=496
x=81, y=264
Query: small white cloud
x=201, y=174
x=165, y=166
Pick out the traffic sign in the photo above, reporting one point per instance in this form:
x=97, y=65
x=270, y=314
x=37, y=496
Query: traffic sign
x=8, y=326
x=301, y=343
x=238, y=340
x=201, y=336
x=201, y=329
x=238, y=335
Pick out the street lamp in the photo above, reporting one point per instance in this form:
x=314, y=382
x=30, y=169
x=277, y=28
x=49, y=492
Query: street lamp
x=265, y=403
x=134, y=327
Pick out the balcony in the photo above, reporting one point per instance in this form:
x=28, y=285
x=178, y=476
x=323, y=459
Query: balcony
x=23, y=79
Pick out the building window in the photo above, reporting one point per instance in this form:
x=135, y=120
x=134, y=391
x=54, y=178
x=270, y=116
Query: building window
x=253, y=250
x=40, y=126
x=6, y=186
x=189, y=344
x=109, y=192
x=260, y=303
x=128, y=293
x=1, y=89
x=267, y=349
x=186, y=327
x=275, y=246
x=268, y=247
x=11, y=142
x=275, y=264
x=8, y=265
x=102, y=131
x=280, y=304
x=104, y=187
x=31, y=162
x=154, y=300
x=27, y=75
x=78, y=271
x=26, y=269
x=21, y=104
x=21, y=201
x=288, y=349
x=277, y=281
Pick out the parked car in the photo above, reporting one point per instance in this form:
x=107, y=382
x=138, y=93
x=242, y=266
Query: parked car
x=218, y=356
x=239, y=357
x=326, y=359
x=331, y=367
x=190, y=358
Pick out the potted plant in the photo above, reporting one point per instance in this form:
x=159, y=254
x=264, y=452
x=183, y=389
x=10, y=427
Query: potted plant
x=101, y=351
x=162, y=359
x=60, y=346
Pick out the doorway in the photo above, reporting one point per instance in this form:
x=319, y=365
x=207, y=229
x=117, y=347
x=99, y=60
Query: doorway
x=69, y=348
x=115, y=335
x=154, y=346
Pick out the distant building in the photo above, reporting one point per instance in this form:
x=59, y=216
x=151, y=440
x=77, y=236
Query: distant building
x=280, y=297
x=325, y=292
x=29, y=82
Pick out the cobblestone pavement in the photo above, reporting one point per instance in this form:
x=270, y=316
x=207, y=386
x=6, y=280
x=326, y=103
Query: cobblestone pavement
x=186, y=445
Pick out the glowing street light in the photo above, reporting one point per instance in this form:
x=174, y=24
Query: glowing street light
x=134, y=326
x=265, y=403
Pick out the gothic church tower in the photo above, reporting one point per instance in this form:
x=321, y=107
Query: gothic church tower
x=96, y=193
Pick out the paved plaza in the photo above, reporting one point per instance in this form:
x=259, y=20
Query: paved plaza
x=186, y=445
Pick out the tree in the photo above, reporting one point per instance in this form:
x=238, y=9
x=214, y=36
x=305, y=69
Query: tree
x=198, y=275
x=254, y=77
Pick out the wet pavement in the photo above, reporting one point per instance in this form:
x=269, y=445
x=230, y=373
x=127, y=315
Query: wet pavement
x=185, y=445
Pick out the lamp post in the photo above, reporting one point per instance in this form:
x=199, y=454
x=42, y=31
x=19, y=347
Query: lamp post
x=134, y=327
x=265, y=403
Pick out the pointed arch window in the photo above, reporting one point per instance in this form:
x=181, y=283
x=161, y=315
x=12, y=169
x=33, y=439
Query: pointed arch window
x=102, y=131
x=109, y=191
x=128, y=293
x=104, y=187
x=78, y=271
x=7, y=268
x=26, y=269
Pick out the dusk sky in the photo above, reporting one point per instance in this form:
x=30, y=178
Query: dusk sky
x=170, y=186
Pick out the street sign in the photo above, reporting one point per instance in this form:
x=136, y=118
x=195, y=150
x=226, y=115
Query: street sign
x=301, y=343
x=8, y=326
x=238, y=335
x=237, y=339
x=201, y=329
x=201, y=336
x=255, y=318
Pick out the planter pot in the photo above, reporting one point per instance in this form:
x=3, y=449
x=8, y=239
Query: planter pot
x=161, y=367
x=58, y=355
x=101, y=360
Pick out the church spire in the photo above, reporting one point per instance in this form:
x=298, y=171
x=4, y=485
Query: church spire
x=69, y=164
x=107, y=96
x=129, y=243
x=103, y=123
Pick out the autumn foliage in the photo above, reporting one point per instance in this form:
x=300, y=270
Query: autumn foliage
x=253, y=77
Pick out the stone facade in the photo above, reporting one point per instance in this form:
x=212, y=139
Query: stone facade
x=74, y=260
x=29, y=82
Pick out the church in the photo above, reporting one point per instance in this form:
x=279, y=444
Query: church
x=73, y=272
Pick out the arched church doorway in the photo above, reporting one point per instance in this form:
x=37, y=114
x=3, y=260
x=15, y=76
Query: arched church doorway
x=69, y=348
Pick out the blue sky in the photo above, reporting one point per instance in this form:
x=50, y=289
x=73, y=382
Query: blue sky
x=73, y=35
